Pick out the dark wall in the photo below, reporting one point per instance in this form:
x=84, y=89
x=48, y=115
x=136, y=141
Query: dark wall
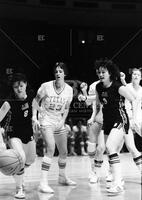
x=34, y=46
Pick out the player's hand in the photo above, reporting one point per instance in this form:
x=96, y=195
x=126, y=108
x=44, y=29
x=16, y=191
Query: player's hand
x=82, y=97
x=36, y=125
x=61, y=124
x=83, y=87
x=122, y=78
x=90, y=122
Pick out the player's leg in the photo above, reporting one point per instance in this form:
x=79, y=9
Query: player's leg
x=130, y=144
x=109, y=177
x=99, y=154
x=30, y=151
x=93, y=132
x=113, y=142
x=47, y=133
x=71, y=144
x=16, y=144
x=61, y=142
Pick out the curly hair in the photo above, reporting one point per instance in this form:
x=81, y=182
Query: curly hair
x=110, y=66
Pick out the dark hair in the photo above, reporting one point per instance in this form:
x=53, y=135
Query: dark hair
x=136, y=69
x=18, y=77
x=62, y=66
x=110, y=66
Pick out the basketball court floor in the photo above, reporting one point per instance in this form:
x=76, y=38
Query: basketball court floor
x=77, y=169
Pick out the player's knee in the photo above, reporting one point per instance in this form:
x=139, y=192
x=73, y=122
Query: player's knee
x=132, y=149
x=100, y=149
x=110, y=148
x=50, y=148
x=30, y=161
x=63, y=154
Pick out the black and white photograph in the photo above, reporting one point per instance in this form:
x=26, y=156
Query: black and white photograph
x=70, y=99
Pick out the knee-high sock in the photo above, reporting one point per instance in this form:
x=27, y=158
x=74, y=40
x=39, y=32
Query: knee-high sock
x=116, y=167
x=91, y=153
x=62, y=166
x=138, y=162
x=19, y=178
x=45, y=166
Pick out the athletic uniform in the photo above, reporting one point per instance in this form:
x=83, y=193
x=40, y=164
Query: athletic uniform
x=114, y=112
x=138, y=117
x=92, y=88
x=20, y=122
x=21, y=119
x=53, y=105
x=92, y=92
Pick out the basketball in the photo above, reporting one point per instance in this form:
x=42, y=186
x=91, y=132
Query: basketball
x=10, y=162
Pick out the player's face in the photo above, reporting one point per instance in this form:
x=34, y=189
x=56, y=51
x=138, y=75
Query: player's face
x=136, y=76
x=19, y=88
x=59, y=73
x=103, y=75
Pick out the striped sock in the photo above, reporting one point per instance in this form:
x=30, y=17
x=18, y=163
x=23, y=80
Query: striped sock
x=116, y=167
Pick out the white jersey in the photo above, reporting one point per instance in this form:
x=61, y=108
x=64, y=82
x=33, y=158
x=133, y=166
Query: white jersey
x=138, y=100
x=92, y=93
x=53, y=104
x=92, y=88
x=98, y=113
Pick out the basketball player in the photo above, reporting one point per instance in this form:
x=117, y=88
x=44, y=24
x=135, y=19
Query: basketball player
x=111, y=94
x=136, y=89
x=19, y=108
x=96, y=144
x=52, y=102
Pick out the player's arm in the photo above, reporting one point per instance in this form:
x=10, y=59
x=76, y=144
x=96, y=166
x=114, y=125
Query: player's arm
x=36, y=101
x=128, y=94
x=4, y=110
x=131, y=98
x=96, y=106
x=122, y=78
x=66, y=111
x=91, y=96
x=2, y=144
x=67, y=107
x=83, y=87
x=36, y=108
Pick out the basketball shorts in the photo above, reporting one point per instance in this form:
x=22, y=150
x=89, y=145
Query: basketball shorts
x=54, y=124
x=107, y=127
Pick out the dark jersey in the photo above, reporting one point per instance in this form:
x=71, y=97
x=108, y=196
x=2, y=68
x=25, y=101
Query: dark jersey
x=21, y=119
x=114, y=112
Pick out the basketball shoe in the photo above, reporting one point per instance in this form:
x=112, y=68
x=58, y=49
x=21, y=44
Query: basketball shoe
x=116, y=188
x=45, y=188
x=20, y=194
x=63, y=180
x=110, y=184
x=93, y=178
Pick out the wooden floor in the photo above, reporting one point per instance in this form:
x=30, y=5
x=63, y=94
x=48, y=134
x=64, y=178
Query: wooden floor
x=78, y=170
